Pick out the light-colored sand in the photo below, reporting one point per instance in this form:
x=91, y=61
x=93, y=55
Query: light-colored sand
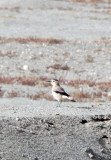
x=21, y=107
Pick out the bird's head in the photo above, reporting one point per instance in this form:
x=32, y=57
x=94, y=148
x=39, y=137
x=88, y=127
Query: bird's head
x=54, y=82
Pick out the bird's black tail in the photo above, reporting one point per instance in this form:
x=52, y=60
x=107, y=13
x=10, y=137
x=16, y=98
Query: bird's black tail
x=71, y=99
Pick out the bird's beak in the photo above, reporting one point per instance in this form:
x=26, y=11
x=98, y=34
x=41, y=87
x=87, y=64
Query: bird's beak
x=48, y=81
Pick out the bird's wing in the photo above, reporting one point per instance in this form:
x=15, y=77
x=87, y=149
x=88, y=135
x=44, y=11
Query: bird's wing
x=61, y=91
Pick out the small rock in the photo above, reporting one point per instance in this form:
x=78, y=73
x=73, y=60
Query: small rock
x=90, y=155
x=25, y=67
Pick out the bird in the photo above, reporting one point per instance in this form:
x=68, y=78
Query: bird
x=58, y=92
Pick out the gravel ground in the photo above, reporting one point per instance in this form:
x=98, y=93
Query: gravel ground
x=34, y=130
x=67, y=40
x=56, y=39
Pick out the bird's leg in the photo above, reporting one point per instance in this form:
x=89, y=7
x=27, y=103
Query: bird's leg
x=59, y=103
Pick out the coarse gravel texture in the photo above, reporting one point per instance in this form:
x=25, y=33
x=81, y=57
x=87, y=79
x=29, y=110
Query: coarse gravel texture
x=32, y=130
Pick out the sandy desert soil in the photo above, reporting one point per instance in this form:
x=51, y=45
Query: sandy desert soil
x=65, y=39
x=39, y=130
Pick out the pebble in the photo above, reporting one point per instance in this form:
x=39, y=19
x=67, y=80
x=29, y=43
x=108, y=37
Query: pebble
x=25, y=67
